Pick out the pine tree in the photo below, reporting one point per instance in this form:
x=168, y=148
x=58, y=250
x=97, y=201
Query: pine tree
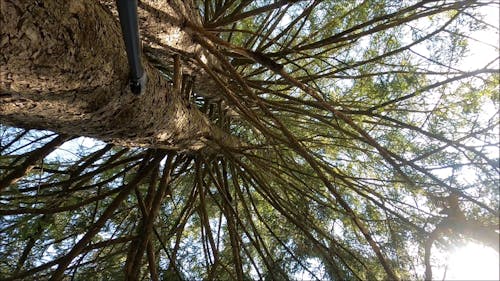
x=337, y=139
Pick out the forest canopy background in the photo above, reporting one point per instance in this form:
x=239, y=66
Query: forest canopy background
x=342, y=140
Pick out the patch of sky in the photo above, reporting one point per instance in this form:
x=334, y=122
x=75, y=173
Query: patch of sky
x=314, y=265
x=73, y=150
x=34, y=139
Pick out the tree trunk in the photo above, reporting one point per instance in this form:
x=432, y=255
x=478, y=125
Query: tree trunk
x=64, y=68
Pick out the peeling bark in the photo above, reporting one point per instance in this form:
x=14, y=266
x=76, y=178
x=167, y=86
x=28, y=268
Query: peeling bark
x=63, y=68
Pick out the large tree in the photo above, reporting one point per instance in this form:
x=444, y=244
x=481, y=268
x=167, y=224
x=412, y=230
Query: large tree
x=340, y=139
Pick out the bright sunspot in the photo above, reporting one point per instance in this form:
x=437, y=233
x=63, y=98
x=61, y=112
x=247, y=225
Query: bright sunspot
x=473, y=261
x=470, y=262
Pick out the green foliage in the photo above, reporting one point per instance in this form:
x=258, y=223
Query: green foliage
x=350, y=151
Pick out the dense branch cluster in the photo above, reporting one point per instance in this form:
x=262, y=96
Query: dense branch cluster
x=347, y=140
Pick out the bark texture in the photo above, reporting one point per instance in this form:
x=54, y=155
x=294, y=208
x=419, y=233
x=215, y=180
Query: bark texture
x=64, y=68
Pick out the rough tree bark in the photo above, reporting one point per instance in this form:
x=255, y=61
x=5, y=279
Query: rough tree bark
x=63, y=68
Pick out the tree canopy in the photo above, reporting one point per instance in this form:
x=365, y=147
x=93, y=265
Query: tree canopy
x=340, y=140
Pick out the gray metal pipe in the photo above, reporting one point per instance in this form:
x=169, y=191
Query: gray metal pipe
x=127, y=12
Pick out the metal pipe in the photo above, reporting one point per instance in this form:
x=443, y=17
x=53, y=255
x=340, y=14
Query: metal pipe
x=127, y=12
